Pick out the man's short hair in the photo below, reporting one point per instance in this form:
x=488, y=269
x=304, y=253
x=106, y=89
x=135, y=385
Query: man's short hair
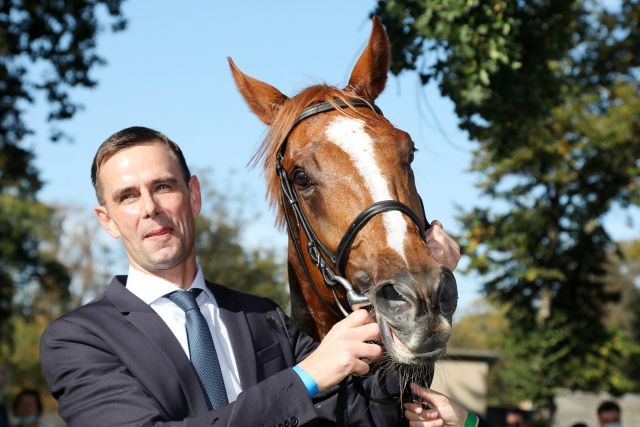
x=518, y=411
x=130, y=137
x=608, y=405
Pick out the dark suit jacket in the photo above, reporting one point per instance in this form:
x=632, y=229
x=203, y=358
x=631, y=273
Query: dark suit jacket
x=114, y=362
x=4, y=419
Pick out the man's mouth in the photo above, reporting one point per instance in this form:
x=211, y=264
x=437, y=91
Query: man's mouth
x=158, y=233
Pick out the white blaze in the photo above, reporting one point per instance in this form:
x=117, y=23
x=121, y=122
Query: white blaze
x=349, y=134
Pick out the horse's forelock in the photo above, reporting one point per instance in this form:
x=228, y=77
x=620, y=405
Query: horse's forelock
x=282, y=124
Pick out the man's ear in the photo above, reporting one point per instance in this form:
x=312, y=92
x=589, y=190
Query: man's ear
x=194, y=195
x=106, y=222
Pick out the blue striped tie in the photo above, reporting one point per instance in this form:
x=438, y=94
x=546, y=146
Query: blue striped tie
x=203, y=353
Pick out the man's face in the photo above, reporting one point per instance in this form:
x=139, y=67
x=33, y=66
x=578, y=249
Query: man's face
x=515, y=420
x=148, y=205
x=27, y=406
x=609, y=418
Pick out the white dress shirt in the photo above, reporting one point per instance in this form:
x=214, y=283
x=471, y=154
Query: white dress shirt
x=152, y=290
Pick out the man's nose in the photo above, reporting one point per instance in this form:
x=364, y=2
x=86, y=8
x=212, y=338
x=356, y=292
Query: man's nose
x=149, y=205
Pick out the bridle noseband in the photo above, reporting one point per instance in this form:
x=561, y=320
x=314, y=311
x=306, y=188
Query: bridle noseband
x=332, y=265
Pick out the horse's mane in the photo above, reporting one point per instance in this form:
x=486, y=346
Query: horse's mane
x=280, y=127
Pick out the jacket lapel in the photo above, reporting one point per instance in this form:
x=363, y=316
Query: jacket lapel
x=242, y=343
x=147, y=321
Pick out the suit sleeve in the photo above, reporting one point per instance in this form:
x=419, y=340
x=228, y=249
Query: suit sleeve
x=95, y=388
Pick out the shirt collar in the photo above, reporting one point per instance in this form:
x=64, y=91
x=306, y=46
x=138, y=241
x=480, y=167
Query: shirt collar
x=149, y=288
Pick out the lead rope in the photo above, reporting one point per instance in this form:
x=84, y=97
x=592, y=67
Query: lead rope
x=342, y=418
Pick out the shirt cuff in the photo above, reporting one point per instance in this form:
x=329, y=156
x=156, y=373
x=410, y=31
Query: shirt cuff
x=309, y=383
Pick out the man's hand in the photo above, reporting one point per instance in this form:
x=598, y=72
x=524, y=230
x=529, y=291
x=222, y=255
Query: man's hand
x=443, y=248
x=444, y=412
x=343, y=351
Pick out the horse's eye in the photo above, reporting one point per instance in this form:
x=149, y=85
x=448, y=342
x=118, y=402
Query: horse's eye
x=413, y=152
x=301, y=179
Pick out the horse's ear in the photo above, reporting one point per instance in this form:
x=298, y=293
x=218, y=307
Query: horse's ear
x=369, y=75
x=263, y=99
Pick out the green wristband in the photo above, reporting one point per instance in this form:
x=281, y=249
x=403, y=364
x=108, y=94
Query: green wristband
x=471, y=420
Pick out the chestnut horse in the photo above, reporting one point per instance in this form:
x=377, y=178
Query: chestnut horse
x=340, y=175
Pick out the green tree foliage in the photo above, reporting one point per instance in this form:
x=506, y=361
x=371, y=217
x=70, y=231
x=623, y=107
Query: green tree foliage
x=483, y=327
x=623, y=316
x=623, y=277
x=46, y=48
x=224, y=256
x=549, y=90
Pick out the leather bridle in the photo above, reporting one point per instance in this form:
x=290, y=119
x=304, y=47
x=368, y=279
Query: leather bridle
x=332, y=265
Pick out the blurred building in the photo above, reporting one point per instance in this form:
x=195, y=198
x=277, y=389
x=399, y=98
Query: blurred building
x=462, y=375
x=579, y=406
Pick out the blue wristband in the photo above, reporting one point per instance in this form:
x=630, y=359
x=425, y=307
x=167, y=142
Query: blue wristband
x=309, y=383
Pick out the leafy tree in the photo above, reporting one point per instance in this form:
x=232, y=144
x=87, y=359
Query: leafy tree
x=46, y=48
x=549, y=90
x=482, y=327
x=623, y=277
x=90, y=255
x=224, y=257
x=623, y=316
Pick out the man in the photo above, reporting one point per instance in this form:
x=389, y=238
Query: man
x=609, y=414
x=27, y=409
x=516, y=418
x=124, y=359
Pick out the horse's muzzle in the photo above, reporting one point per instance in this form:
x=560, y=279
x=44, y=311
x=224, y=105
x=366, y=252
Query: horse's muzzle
x=415, y=316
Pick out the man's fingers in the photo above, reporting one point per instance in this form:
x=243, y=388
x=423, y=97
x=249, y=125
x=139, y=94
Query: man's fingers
x=443, y=248
x=357, y=318
x=423, y=420
x=419, y=411
x=416, y=408
x=421, y=392
x=368, y=353
x=361, y=368
x=429, y=395
x=368, y=332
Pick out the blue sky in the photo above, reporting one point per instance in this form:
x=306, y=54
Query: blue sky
x=169, y=71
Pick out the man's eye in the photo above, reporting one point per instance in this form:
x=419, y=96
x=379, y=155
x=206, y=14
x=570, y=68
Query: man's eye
x=163, y=187
x=127, y=196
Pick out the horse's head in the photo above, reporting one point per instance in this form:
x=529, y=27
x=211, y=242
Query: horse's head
x=327, y=165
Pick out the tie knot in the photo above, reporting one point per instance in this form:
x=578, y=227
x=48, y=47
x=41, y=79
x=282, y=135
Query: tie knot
x=186, y=300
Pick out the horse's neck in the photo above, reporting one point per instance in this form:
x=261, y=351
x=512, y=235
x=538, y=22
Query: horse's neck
x=315, y=323
x=299, y=309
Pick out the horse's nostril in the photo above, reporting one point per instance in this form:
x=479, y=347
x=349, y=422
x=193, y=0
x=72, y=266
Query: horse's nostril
x=393, y=301
x=448, y=292
x=390, y=293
